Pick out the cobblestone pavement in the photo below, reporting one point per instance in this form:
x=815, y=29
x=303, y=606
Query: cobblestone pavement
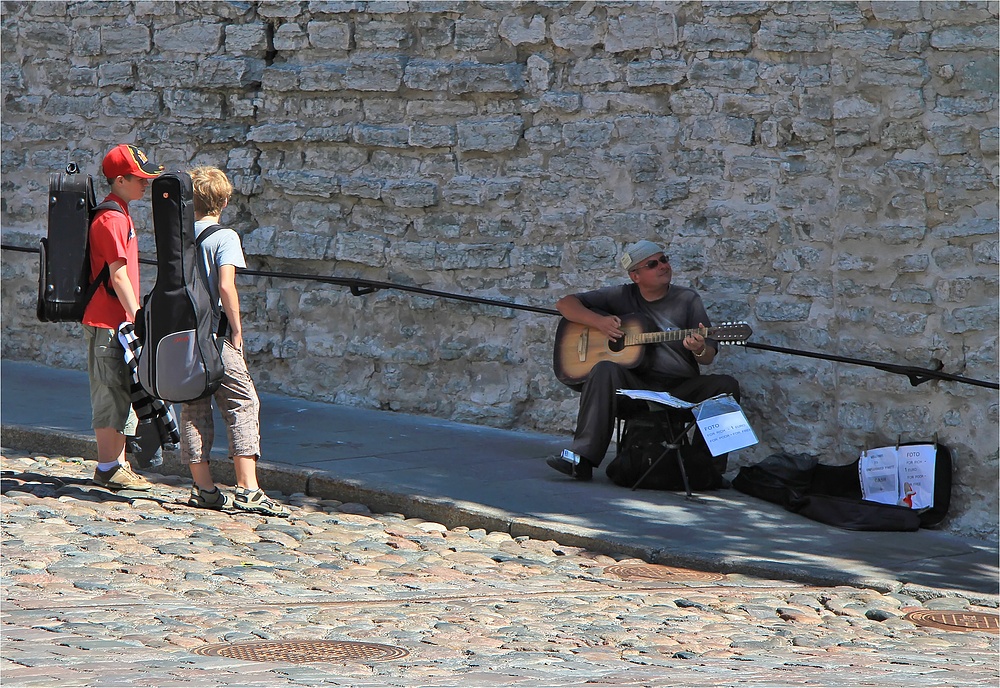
x=121, y=589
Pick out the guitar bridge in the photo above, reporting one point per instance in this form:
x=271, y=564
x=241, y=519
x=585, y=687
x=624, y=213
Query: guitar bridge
x=581, y=346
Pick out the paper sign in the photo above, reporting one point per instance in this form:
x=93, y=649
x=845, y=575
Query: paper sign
x=727, y=432
x=879, y=475
x=916, y=475
x=656, y=397
x=899, y=475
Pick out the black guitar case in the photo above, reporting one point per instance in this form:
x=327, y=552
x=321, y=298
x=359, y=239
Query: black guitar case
x=180, y=359
x=64, y=286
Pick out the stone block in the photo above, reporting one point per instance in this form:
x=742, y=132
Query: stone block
x=300, y=245
x=279, y=9
x=431, y=136
x=737, y=130
x=193, y=37
x=639, y=31
x=303, y=182
x=892, y=72
x=410, y=193
x=374, y=73
x=576, y=33
x=720, y=38
x=360, y=247
x=742, y=105
x=323, y=77
x=464, y=190
x=438, y=227
x=777, y=309
x=544, y=135
x=474, y=256
x=854, y=108
x=725, y=73
x=116, y=74
x=587, y=134
x=737, y=8
x=435, y=32
x=329, y=35
x=381, y=34
x=902, y=135
x=428, y=75
x=989, y=141
x=655, y=73
x=859, y=41
x=470, y=77
x=965, y=38
x=564, y=102
x=539, y=73
x=132, y=104
x=388, y=137
x=246, y=38
x=259, y=242
x=950, y=139
x=475, y=34
x=136, y=40
x=694, y=101
x=275, y=133
x=516, y=30
x=787, y=36
x=646, y=130
x=283, y=77
x=594, y=254
x=961, y=106
x=492, y=134
x=422, y=255
x=362, y=187
x=290, y=37
x=904, y=103
x=897, y=11
x=230, y=72
x=593, y=71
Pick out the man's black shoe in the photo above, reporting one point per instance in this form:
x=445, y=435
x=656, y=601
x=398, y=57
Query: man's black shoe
x=580, y=471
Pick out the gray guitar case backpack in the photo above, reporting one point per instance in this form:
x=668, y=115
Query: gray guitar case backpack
x=180, y=359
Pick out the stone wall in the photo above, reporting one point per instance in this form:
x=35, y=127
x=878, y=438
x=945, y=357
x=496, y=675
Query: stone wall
x=825, y=171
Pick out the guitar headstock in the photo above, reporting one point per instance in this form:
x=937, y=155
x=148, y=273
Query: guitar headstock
x=730, y=333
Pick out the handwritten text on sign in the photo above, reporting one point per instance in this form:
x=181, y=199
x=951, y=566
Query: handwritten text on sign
x=727, y=432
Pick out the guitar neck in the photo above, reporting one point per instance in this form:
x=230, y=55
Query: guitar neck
x=657, y=337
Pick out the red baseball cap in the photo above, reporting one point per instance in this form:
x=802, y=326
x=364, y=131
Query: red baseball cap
x=127, y=159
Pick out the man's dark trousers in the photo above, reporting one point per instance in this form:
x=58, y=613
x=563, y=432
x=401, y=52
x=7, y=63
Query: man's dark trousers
x=599, y=403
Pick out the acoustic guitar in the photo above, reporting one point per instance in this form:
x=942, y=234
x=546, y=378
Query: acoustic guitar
x=579, y=348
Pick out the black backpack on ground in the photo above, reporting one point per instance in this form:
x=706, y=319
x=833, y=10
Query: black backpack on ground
x=832, y=494
x=180, y=359
x=64, y=286
x=642, y=442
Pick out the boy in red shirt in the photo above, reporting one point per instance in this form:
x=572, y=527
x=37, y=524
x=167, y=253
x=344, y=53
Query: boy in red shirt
x=113, y=243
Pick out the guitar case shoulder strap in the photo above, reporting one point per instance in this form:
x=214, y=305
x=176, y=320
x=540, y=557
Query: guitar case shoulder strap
x=205, y=233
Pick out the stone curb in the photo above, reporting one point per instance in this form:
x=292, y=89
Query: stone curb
x=452, y=513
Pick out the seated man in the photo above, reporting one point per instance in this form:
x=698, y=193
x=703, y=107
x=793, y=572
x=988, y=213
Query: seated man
x=672, y=367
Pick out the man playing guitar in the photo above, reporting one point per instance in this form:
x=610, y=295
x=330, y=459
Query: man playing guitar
x=672, y=367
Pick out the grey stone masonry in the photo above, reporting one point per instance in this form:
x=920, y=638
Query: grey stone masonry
x=826, y=172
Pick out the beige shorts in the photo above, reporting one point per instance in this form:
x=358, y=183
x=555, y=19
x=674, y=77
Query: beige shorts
x=110, y=395
x=240, y=408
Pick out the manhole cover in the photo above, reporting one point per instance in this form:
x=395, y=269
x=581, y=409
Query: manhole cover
x=647, y=572
x=955, y=621
x=303, y=651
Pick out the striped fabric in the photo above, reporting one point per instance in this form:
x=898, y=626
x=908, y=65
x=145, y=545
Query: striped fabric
x=145, y=405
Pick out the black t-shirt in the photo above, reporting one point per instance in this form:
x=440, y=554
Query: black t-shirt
x=680, y=309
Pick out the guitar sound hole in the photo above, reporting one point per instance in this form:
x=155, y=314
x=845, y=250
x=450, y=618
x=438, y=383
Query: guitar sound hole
x=616, y=345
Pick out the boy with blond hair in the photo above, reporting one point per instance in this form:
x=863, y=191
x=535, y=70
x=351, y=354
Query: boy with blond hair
x=221, y=254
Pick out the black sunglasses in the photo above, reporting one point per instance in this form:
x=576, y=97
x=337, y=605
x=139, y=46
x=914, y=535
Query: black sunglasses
x=662, y=260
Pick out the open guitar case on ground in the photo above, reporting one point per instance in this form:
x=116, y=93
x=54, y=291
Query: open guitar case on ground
x=832, y=494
